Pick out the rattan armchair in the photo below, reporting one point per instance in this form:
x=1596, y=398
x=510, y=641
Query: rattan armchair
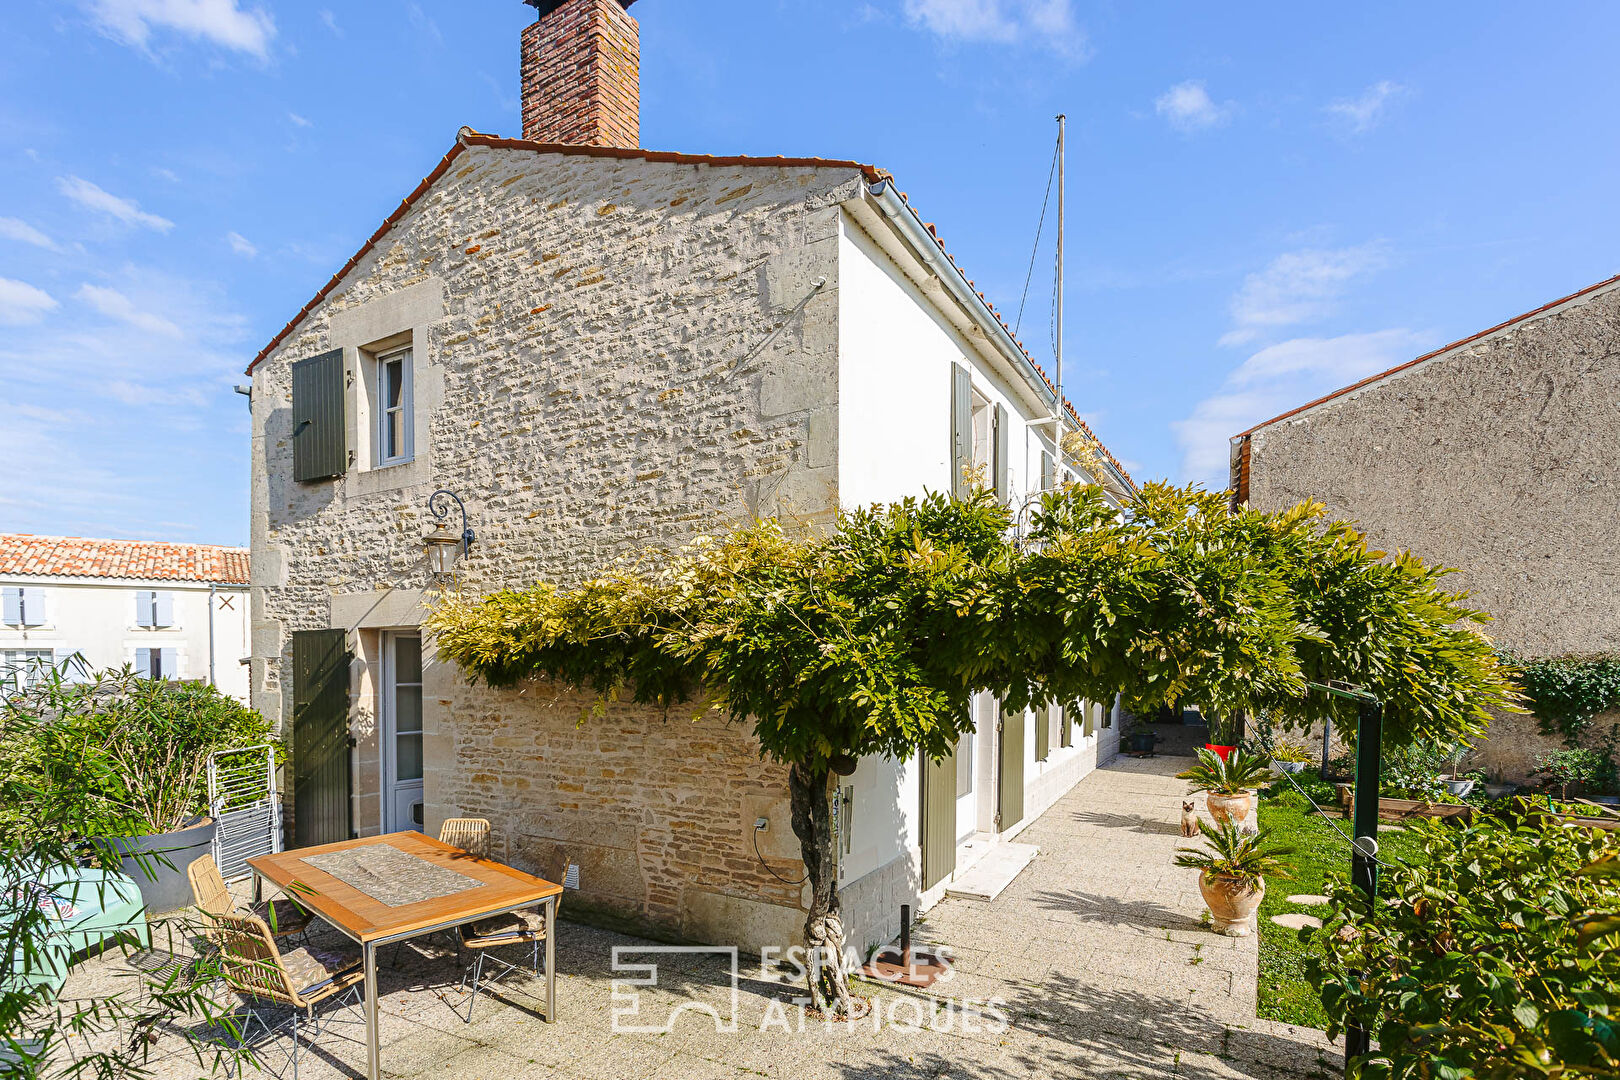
x=514, y=928
x=470, y=834
x=284, y=917
x=253, y=965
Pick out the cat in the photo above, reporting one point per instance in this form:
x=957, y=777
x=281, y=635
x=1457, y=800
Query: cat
x=1189, y=819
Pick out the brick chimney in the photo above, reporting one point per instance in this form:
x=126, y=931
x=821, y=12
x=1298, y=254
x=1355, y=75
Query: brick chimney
x=582, y=74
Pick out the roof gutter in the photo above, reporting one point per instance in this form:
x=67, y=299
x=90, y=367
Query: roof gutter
x=922, y=242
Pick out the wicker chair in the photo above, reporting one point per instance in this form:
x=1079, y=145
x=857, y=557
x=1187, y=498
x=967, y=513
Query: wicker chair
x=470, y=834
x=514, y=928
x=208, y=889
x=251, y=964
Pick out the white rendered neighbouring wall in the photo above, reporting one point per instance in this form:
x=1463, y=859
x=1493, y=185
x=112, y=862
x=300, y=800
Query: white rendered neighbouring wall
x=96, y=619
x=896, y=355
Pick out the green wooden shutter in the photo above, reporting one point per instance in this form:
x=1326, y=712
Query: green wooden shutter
x=1043, y=733
x=961, y=429
x=320, y=746
x=1003, y=486
x=1010, y=803
x=320, y=441
x=938, y=819
x=1066, y=728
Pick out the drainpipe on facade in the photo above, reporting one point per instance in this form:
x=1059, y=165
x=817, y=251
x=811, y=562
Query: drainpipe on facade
x=212, y=587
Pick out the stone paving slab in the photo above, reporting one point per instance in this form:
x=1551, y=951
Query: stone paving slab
x=1094, y=956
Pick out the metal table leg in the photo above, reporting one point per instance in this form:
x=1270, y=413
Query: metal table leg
x=373, y=1065
x=551, y=960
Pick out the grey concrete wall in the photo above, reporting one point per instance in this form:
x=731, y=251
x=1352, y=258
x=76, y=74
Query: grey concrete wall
x=1501, y=459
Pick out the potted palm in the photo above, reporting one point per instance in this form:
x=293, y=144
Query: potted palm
x=1229, y=783
x=1232, y=874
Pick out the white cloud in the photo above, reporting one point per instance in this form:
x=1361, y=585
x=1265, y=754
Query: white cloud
x=221, y=22
x=1297, y=287
x=329, y=20
x=241, y=244
x=91, y=383
x=1362, y=114
x=1188, y=107
x=15, y=229
x=91, y=197
x=115, y=305
x=22, y=304
x=1005, y=22
x=1278, y=378
x=301, y=121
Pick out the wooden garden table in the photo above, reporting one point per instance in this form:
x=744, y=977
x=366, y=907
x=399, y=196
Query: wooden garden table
x=454, y=888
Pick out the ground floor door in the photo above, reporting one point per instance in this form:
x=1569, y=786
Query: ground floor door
x=322, y=811
x=938, y=819
x=1010, y=780
x=401, y=732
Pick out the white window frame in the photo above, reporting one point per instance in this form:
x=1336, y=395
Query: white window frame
x=406, y=407
x=984, y=434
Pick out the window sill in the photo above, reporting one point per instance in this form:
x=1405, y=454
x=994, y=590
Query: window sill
x=392, y=464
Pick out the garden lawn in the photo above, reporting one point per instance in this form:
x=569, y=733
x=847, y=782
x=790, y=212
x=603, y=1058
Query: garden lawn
x=1320, y=853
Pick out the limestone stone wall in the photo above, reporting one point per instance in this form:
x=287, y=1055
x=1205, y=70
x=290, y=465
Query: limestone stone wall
x=592, y=379
x=1498, y=459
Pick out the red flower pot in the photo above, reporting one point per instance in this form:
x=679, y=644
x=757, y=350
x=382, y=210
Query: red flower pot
x=1222, y=752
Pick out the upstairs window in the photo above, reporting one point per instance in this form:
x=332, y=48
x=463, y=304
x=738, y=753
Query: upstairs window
x=22, y=606
x=395, y=434
x=154, y=609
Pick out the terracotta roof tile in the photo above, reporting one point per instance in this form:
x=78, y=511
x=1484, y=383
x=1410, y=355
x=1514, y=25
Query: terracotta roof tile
x=77, y=556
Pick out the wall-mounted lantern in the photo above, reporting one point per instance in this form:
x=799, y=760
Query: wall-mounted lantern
x=445, y=548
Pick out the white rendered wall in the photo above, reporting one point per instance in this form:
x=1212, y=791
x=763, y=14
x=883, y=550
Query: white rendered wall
x=896, y=355
x=96, y=619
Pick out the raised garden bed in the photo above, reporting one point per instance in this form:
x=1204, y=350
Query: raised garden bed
x=1405, y=809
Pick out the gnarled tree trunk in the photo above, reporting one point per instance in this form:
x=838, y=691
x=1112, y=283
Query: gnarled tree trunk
x=823, y=927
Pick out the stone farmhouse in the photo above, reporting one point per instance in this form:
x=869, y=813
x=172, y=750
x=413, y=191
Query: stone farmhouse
x=1495, y=455
x=602, y=348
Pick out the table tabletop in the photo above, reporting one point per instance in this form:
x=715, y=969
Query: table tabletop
x=493, y=887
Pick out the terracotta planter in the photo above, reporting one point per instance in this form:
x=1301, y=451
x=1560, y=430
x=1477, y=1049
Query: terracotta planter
x=1233, y=808
x=1222, y=752
x=1232, y=903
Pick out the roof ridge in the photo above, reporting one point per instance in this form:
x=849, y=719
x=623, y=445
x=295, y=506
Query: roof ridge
x=466, y=137
x=1544, y=309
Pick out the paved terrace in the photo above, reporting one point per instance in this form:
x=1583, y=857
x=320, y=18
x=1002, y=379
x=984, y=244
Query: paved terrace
x=1095, y=951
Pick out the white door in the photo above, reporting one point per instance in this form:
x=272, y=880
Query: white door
x=402, y=732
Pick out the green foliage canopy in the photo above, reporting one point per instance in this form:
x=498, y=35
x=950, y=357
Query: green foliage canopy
x=871, y=637
x=1567, y=692
x=1495, y=959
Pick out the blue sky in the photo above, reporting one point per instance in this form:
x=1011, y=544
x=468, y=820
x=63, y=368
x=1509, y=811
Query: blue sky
x=1266, y=200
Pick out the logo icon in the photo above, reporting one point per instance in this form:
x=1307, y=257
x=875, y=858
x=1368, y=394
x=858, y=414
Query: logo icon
x=628, y=1018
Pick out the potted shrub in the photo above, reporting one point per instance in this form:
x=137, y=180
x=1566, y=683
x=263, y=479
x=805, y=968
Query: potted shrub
x=1290, y=757
x=1454, y=780
x=130, y=755
x=1229, y=783
x=1232, y=874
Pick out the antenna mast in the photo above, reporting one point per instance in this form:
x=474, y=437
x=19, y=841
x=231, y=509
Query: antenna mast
x=1062, y=420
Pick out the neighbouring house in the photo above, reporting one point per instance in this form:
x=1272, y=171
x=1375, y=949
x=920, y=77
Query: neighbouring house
x=170, y=611
x=601, y=348
x=1495, y=455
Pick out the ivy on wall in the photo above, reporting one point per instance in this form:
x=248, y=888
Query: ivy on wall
x=1567, y=693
